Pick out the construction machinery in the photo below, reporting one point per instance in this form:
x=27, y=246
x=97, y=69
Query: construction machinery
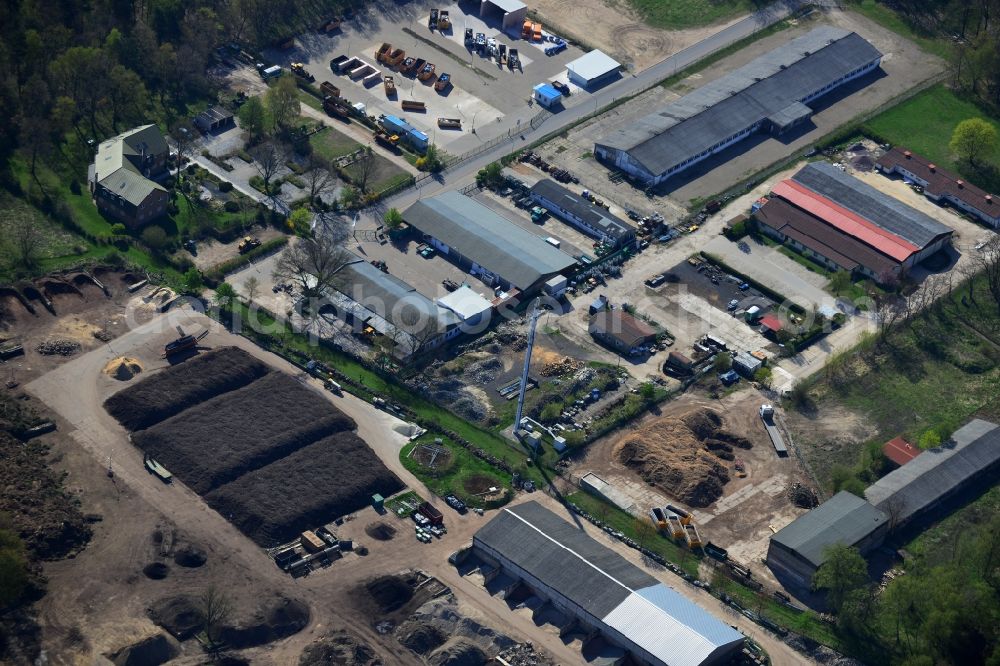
x=183, y=343
x=413, y=105
x=389, y=85
x=426, y=72
x=248, y=243
x=536, y=313
x=444, y=20
x=390, y=141
x=443, y=82
x=450, y=123
x=299, y=70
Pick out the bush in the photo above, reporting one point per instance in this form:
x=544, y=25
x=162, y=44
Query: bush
x=231, y=207
x=155, y=238
x=225, y=186
x=74, y=186
x=736, y=230
x=118, y=229
x=191, y=168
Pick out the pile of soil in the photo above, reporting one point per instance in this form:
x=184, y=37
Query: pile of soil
x=419, y=637
x=189, y=556
x=156, y=570
x=151, y=651
x=186, y=385
x=458, y=652
x=380, y=531
x=123, y=368
x=58, y=347
x=679, y=455
x=179, y=615
x=275, y=619
x=390, y=593
x=478, y=484
x=484, y=371
x=338, y=649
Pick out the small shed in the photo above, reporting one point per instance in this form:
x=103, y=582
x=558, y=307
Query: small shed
x=593, y=69
x=378, y=502
x=601, y=303
x=746, y=364
x=546, y=95
x=770, y=323
x=729, y=377
x=556, y=286
x=214, y=120
x=899, y=451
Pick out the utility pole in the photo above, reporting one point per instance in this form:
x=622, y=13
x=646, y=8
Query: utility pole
x=536, y=312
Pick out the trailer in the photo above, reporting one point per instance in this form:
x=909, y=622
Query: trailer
x=674, y=526
x=413, y=105
x=767, y=416
x=407, y=65
x=349, y=65
x=361, y=72
x=444, y=20
x=683, y=515
x=334, y=107
x=396, y=57
x=389, y=85
x=692, y=536
x=432, y=20
x=383, y=52
x=372, y=79
x=430, y=513
x=450, y=123
x=658, y=517
x=158, y=470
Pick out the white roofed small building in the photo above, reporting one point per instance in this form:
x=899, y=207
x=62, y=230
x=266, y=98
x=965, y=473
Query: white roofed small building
x=472, y=308
x=509, y=13
x=593, y=69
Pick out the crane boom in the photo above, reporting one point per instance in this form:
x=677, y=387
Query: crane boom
x=536, y=312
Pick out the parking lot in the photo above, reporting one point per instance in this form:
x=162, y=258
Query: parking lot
x=485, y=96
x=571, y=241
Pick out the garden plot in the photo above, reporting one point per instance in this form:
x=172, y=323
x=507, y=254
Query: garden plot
x=265, y=450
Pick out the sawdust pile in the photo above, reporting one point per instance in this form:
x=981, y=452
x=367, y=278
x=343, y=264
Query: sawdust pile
x=123, y=368
x=681, y=455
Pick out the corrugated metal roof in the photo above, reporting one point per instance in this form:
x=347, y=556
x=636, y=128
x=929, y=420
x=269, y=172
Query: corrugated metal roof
x=465, y=302
x=592, y=214
x=116, y=168
x=671, y=628
x=940, y=181
x=593, y=65
x=508, y=5
x=720, y=109
x=843, y=219
x=646, y=612
x=843, y=519
x=924, y=480
x=130, y=186
x=492, y=241
x=884, y=212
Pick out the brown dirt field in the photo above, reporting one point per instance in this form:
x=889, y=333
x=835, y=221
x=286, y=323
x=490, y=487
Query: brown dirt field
x=617, y=30
x=478, y=484
x=423, y=455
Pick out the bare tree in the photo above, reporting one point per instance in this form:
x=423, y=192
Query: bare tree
x=644, y=530
x=183, y=137
x=268, y=158
x=215, y=608
x=25, y=241
x=889, y=310
x=893, y=508
x=987, y=261
x=313, y=263
x=250, y=287
x=319, y=179
x=968, y=272
x=363, y=167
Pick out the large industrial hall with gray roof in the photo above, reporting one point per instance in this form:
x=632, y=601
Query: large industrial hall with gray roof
x=602, y=591
x=771, y=93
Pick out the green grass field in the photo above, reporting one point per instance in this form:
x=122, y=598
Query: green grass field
x=678, y=14
x=331, y=144
x=451, y=477
x=925, y=123
x=879, y=13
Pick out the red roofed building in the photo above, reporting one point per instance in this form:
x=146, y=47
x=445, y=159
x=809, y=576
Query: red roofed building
x=771, y=323
x=899, y=451
x=940, y=184
x=845, y=224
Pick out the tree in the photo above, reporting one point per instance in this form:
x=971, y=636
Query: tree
x=250, y=287
x=299, y=220
x=283, y=102
x=431, y=160
x=490, y=176
x=268, y=158
x=644, y=530
x=987, y=260
x=25, y=242
x=215, y=607
x=363, y=167
x=840, y=282
x=192, y=281
x=844, y=570
x=319, y=178
x=393, y=218
x=973, y=139
x=253, y=119
x=647, y=391
x=225, y=295
x=349, y=197
x=154, y=237
x=723, y=361
x=313, y=263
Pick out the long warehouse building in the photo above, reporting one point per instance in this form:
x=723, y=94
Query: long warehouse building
x=602, y=591
x=488, y=245
x=846, y=224
x=770, y=94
